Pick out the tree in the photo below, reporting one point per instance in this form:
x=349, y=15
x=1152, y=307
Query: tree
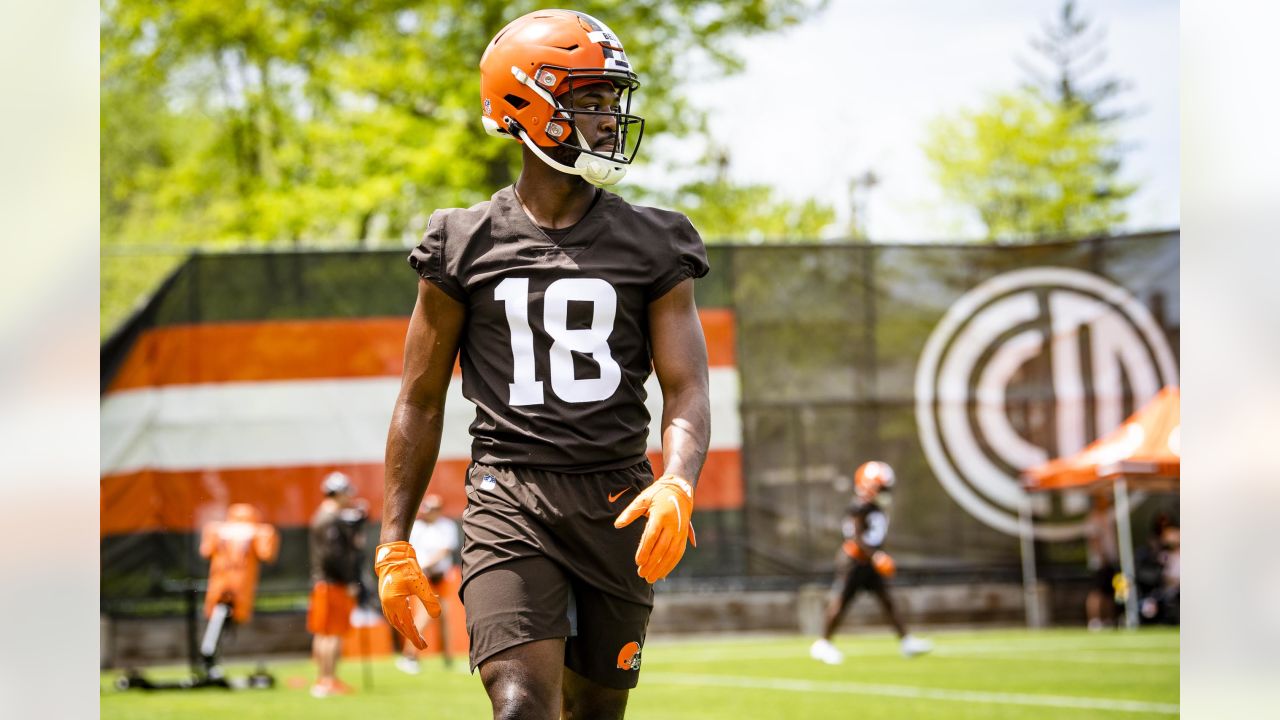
x=1075, y=52
x=1029, y=167
x=725, y=211
x=231, y=122
x=1043, y=162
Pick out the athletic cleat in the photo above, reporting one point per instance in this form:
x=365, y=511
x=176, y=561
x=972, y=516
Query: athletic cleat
x=912, y=646
x=407, y=665
x=824, y=651
x=325, y=688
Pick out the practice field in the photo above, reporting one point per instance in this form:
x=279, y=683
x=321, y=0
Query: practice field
x=989, y=675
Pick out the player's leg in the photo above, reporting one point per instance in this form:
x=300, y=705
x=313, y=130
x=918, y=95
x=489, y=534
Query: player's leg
x=889, y=609
x=587, y=700
x=331, y=645
x=602, y=659
x=518, y=618
x=321, y=657
x=524, y=681
x=836, y=607
x=910, y=644
x=327, y=619
x=1096, y=602
x=1109, y=607
x=845, y=590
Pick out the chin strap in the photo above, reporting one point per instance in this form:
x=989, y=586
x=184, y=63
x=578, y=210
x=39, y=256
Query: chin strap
x=592, y=169
x=597, y=171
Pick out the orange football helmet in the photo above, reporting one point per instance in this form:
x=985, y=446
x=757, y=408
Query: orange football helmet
x=539, y=59
x=243, y=512
x=872, y=477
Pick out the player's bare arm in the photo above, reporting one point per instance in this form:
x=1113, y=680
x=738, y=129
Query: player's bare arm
x=413, y=443
x=680, y=362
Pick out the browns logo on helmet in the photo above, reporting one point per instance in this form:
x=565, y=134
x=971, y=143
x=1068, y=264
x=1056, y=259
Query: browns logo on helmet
x=536, y=63
x=872, y=477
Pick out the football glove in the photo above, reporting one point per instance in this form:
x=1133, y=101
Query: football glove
x=883, y=563
x=668, y=503
x=852, y=549
x=400, y=579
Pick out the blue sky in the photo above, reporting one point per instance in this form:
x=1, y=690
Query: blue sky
x=856, y=86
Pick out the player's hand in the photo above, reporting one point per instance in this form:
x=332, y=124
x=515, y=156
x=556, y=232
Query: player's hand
x=400, y=579
x=668, y=503
x=883, y=563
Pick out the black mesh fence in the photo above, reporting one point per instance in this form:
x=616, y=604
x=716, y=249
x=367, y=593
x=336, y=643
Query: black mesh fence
x=831, y=342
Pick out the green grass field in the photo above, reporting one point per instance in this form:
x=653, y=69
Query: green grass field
x=990, y=675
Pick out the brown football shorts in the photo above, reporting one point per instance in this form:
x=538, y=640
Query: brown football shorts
x=541, y=559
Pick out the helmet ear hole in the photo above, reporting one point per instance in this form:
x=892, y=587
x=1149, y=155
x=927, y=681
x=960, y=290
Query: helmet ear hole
x=516, y=101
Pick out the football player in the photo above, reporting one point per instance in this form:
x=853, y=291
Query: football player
x=864, y=564
x=560, y=298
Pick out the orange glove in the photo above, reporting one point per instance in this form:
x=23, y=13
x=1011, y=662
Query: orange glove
x=400, y=579
x=668, y=503
x=883, y=563
x=852, y=550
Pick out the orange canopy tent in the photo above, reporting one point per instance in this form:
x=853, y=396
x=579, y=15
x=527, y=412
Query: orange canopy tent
x=1144, y=452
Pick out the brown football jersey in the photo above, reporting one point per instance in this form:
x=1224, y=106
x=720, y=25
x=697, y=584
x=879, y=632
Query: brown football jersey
x=555, y=350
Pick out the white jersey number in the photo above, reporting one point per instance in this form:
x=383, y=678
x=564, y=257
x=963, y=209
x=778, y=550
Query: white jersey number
x=593, y=340
x=877, y=528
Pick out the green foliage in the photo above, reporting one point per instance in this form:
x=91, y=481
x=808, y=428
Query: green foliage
x=1030, y=168
x=327, y=122
x=723, y=211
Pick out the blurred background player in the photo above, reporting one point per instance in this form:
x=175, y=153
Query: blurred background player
x=1160, y=574
x=1170, y=597
x=235, y=547
x=336, y=540
x=434, y=538
x=864, y=565
x=563, y=298
x=1103, y=557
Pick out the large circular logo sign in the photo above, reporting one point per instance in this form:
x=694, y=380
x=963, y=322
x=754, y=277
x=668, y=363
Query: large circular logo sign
x=1030, y=365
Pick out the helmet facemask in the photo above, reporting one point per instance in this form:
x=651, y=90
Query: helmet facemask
x=598, y=168
x=628, y=128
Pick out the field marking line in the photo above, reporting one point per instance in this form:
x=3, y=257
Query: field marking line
x=1064, y=644
x=1092, y=642
x=1009, y=656
x=1020, y=650
x=917, y=693
x=1086, y=657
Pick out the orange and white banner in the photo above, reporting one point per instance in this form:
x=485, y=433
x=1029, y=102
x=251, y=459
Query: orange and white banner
x=200, y=416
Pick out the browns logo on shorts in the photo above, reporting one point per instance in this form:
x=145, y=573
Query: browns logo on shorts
x=629, y=656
